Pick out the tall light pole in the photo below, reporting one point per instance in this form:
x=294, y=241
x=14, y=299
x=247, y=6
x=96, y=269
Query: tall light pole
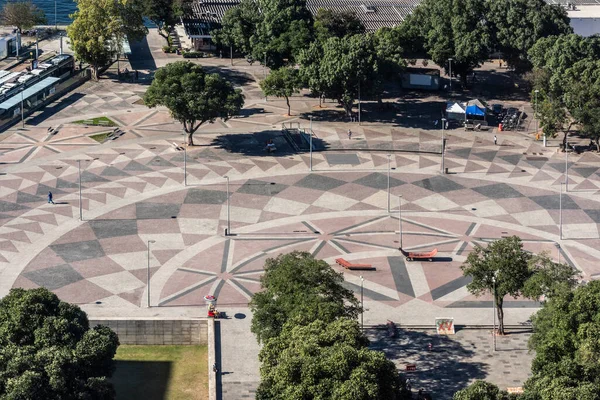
x=22, y=108
x=228, y=232
x=494, y=307
x=148, y=271
x=560, y=212
x=450, y=63
x=443, y=144
x=80, y=202
x=185, y=164
x=389, y=156
x=310, y=145
x=566, y=166
x=400, y=219
x=362, y=308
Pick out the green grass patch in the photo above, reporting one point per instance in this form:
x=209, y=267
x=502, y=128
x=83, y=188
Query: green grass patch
x=161, y=372
x=97, y=121
x=100, y=137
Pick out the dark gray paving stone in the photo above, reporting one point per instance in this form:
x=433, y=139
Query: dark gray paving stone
x=159, y=162
x=585, y=172
x=400, y=275
x=319, y=182
x=6, y=206
x=156, y=210
x=42, y=190
x=23, y=197
x=512, y=159
x=136, y=166
x=378, y=181
x=78, y=251
x=553, y=202
x=594, y=215
x=438, y=184
x=261, y=188
x=460, y=153
x=341, y=159
x=371, y=294
x=112, y=171
x=114, y=228
x=54, y=277
x=87, y=177
x=62, y=184
x=486, y=155
x=450, y=287
x=204, y=196
x=498, y=191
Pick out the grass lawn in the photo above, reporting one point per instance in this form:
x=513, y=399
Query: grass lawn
x=100, y=137
x=98, y=121
x=161, y=373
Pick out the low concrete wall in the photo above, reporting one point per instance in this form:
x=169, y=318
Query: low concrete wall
x=157, y=332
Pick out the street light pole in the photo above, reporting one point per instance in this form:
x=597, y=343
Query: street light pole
x=148, y=271
x=185, y=164
x=494, y=309
x=389, y=156
x=443, y=144
x=362, y=308
x=22, y=109
x=450, y=62
x=310, y=144
x=228, y=232
x=80, y=206
x=400, y=218
x=560, y=212
x=566, y=166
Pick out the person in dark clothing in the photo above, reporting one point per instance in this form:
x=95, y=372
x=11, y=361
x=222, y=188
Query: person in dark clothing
x=50, y=198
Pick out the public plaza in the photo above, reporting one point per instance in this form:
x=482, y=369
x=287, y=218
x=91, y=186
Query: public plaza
x=150, y=211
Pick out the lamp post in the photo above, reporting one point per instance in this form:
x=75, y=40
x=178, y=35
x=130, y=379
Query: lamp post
x=400, y=219
x=185, y=164
x=560, y=229
x=148, y=271
x=450, y=63
x=80, y=202
x=310, y=144
x=566, y=166
x=228, y=231
x=443, y=144
x=494, y=308
x=389, y=156
x=362, y=308
x=22, y=109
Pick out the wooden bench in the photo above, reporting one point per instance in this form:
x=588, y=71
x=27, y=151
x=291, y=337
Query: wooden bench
x=411, y=367
x=354, y=267
x=410, y=256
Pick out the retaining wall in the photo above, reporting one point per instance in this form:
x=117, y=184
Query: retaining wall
x=157, y=332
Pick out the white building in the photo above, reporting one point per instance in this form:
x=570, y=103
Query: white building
x=585, y=19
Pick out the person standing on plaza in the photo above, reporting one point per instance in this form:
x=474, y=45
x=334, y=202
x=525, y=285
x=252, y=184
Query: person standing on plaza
x=349, y=134
x=50, y=198
x=495, y=140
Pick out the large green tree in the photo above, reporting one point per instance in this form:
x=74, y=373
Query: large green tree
x=504, y=268
x=296, y=285
x=99, y=27
x=22, y=15
x=165, y=14
x=566, y=341
x=192, y=96
x=482, y=390
x=48, y=351
x=326, y=361
x=238, y=26
x=518, y=24
x=286, y=28
x=331, y=23
x=282, y=82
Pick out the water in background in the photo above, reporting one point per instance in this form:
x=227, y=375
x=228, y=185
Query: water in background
x=63, y=9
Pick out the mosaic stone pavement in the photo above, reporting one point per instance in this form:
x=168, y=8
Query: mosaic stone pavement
x=134, y=192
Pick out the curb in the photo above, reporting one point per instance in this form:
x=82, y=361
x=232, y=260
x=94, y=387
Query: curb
x=212, y=375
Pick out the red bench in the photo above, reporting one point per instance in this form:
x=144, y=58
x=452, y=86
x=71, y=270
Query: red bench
x=350, y=266
x=410, y=256
x=411, y=367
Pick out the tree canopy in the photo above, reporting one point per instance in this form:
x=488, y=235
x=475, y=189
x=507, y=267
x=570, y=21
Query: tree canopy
x=282, y=82
x=22, y=15
x=566, y=340
x=48, y=351
x=482, y=390
x=296, y=285
x=192, y=96
x=99, y=27
x=331, y=23
x=504, y=268
x=326, y=361
x=239, y=25
x=164, y=14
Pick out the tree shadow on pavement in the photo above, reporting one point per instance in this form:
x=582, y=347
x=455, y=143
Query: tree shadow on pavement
x=54, y=108
x=254, y=144
x=441, y=371
x=237, y=78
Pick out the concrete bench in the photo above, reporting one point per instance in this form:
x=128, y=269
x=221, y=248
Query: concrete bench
x=351, y=266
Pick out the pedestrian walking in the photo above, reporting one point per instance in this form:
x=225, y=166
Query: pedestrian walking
x=349, y=134
x=495, y=140
x=50, y=198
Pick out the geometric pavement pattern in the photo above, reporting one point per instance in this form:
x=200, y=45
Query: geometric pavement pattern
x=134, y=192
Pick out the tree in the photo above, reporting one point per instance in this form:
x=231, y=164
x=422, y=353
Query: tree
x=454, y=29
x=482, y=390
x=99, y=27
x=282, y=82
x=331, y=23
x=48, y=351
x=286, y=29
x=518, y=24
x=326, y=361
x=554, y=118
x=310, y=75
x=164, y=14
x=192, y=96
x=298, y=286
x=22, y=14
x=548, y=278
x=239, y=25
x=390, y=49
x=566, y=341
x=504, y=262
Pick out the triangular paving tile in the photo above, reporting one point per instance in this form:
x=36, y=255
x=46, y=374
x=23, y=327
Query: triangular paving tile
x=45, y=218
x=23, y=197
x=18, y=236
x=541, y=176
x=29, y=227
x=136, y=166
